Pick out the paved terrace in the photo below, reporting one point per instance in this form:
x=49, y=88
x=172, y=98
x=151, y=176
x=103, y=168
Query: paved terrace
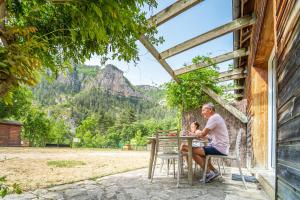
x=135, y=185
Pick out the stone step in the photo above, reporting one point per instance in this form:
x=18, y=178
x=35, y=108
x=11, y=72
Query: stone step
x=267, y=182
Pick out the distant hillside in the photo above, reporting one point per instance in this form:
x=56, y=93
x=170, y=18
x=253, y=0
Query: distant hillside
x=84, y=78
x=111, y=79
x=102, y=91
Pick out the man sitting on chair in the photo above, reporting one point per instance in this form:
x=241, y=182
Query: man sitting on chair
x=218, y=145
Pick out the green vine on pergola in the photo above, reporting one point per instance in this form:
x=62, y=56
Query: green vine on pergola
x=189, y=93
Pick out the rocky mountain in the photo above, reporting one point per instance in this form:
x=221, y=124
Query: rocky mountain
x=85, y=78
x=99, y=91
x=112, y=79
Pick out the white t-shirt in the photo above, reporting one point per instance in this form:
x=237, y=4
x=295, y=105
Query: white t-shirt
x=218, y=133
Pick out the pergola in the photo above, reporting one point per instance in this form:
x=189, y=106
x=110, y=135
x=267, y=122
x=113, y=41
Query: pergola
x=179, y=7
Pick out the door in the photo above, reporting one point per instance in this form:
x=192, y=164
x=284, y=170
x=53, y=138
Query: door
x=4, y=131
x=272, y=111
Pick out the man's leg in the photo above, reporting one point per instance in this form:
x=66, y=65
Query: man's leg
x=199, y=160
x=199, y=157
x=210, y=166
x=184, y=149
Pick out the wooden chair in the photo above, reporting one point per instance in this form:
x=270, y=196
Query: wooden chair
x=165, y=159
x=235, y=157
x=168, y=148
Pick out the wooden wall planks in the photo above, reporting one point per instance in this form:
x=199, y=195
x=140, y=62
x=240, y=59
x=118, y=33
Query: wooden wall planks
x=288, y=102
x=10, y=135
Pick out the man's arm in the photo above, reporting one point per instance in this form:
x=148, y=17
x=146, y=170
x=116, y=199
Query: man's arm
x=203, y=133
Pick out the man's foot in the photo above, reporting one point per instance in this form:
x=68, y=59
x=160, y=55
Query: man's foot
x=209, y=177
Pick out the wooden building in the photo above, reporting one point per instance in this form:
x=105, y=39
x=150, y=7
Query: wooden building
x=266, y=54
x=272, y=90
x=10, y=133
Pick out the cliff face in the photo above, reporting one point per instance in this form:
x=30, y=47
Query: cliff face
x=112, y=79
x=84, y=79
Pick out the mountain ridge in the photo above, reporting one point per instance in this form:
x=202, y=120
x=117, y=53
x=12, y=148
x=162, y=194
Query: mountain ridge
x=109, y=78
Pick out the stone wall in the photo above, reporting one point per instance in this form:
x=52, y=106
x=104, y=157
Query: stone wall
x=233, y=126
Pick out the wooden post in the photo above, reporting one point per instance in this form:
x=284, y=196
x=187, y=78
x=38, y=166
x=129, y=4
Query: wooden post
x=190, y=162
x=153, y=143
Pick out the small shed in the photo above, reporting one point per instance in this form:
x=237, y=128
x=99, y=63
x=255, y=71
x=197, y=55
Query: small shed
x=10, y=133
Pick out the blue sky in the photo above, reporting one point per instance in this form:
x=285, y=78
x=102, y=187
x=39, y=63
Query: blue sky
x=197, y=20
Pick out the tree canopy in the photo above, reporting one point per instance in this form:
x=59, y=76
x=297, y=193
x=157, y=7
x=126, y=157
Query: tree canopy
x=47, y=35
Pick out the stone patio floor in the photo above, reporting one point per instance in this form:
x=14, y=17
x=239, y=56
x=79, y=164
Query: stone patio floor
x=135, y=185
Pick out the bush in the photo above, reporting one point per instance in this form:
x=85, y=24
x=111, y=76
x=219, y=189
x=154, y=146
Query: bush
x=5, y=189
x=36, y=127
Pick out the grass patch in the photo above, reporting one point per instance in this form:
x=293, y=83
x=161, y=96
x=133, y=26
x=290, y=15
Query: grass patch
x=65, y=163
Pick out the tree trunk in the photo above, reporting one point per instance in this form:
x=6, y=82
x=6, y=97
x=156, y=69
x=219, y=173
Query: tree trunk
x=2, y=19
x=4, y=80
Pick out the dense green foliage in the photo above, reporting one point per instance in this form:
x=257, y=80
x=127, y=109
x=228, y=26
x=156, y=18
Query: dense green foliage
x=58, y=111
x=38, y=129
x=189, y=93
x=108, y=120
x=42, y=36
x=5, y=189
x=60, y=132
x=21, y=103
x=119, y=134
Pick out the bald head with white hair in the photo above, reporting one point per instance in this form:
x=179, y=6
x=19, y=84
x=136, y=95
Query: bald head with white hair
x=208, y=110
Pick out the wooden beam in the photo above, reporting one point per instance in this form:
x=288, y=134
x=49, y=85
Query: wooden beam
x=218, y=59
x=234, y=74
x=239, y=87
x=217, y=32
x=233, y=77
x=208, y=91
x=239, y=95
x=172, y=11
x=235, y=112
x=144, y=40
x=234, y=97
x=231, y=72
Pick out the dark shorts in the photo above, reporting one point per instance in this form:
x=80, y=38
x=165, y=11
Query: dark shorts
x=209, y=150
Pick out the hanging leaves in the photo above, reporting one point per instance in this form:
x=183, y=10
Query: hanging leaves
x=189, y=93
x=45, y=36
